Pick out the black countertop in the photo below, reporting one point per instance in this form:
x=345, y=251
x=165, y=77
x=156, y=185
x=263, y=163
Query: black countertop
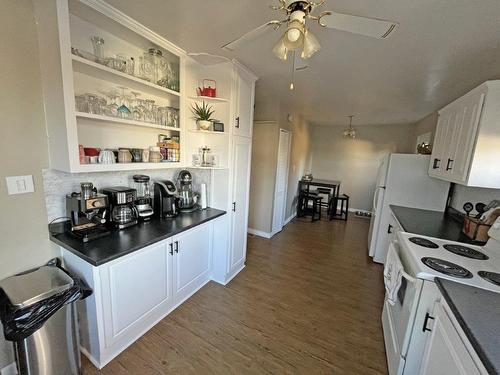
x=478, y=313
x=432, y=223
x=120, y=243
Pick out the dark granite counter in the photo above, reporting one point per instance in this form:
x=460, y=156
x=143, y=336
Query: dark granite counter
x=431, y=223
x=478, y=313
x=120, y=243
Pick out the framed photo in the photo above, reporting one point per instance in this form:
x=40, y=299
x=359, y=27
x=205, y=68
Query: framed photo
x=218, y=127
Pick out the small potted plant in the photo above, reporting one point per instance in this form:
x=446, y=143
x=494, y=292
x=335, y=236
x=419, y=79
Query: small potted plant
x=203, y=115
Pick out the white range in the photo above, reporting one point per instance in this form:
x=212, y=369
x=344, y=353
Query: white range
x=406, y=322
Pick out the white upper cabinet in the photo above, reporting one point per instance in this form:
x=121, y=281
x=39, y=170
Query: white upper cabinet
x=467, y=142
x=244, y=90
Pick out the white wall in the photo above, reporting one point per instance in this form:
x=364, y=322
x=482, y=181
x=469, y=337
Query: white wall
x=23, y=223
x=265, y=144
x=355, y=161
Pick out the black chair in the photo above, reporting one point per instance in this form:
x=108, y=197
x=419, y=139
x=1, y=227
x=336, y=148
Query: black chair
x=329, y=194
x=336, y=212
x=309, y=203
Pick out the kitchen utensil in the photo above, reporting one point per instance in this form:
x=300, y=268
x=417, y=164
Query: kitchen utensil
x=136, y=155
x=145, y=155
x=468, y=207
x=209, y=88
x=124, y=156
x=480, y=209
x=106, y=157
x=98, y=46
x=91, y=151
x=155, y=155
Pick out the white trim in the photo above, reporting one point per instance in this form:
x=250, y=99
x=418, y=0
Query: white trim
x=292, y=216
x=116, y=15
x=234, y=274
x=260, y=233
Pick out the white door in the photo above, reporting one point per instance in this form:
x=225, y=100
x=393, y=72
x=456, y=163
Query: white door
x=192, y=252
x=446, y=353
x=244, y=108
x=280, y=189
x=242, y=153
x=134, y=287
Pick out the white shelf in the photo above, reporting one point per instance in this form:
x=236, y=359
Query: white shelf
x=206, y=132
x=94, y=69
x=126, y=166
x=209, y=99
x=124, y=121
x=199, y=167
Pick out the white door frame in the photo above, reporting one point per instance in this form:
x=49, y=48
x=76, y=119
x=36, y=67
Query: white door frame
x=277, y=228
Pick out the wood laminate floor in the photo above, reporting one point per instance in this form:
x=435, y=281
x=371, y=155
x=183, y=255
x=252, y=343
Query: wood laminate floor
x=308, y=302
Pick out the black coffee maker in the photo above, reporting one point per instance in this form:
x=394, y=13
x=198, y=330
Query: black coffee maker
x=166, y=202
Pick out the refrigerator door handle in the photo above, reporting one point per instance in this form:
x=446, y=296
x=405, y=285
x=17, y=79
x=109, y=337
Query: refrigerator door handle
x=375, y=198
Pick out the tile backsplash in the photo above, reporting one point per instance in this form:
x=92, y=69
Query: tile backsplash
x=57, y=184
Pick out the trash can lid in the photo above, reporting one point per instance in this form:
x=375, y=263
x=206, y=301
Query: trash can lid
x=28, y=288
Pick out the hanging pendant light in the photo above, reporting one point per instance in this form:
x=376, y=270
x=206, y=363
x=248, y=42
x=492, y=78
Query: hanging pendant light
x=350, y=132
x=294, y=36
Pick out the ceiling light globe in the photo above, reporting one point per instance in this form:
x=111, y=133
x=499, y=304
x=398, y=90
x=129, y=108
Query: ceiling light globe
x=293, y=35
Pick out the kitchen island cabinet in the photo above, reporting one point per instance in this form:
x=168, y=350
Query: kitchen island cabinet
x=135, y=291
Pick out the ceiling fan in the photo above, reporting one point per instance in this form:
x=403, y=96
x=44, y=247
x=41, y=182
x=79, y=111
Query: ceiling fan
x=298, y=37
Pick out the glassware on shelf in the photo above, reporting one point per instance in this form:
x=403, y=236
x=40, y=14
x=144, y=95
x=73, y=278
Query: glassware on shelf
x=81, y=103
x=94, y=104
x=98, y=47
x=123, y=110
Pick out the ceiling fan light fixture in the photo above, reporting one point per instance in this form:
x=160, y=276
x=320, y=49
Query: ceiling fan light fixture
x=350, y=132
x=311, y=45
x=280, y=50
x=294, y=35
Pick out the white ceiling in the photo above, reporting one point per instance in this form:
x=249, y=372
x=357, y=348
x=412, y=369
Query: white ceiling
x=442, y=49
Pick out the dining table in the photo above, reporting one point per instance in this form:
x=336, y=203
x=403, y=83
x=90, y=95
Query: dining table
x=305, y=184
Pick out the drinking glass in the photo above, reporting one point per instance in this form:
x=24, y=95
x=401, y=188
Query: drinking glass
x=98, y=47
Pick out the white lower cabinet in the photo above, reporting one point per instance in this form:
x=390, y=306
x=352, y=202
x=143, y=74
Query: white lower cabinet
x=135, y=291
x=191, y=260
x=448, y=352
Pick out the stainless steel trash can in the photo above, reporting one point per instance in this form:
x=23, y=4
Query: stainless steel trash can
x=53, y=349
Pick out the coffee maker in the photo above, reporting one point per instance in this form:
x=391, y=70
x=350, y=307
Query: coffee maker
x=123, y=213
x=88, y=211
x=187, y=198
x=143, y=201
x=165, y=199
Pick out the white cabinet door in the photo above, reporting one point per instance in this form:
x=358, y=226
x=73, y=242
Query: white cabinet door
x=461, y=147
x=242, y=148
x=192, y=253
x=244, y=104
x=446, y=353
x=133, y=287
x=441, y=141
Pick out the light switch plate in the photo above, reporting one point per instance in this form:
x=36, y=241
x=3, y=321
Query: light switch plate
x=20, y=184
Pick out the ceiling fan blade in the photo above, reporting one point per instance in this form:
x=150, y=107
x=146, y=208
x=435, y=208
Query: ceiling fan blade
x=251, y=35
x=371, y=27
x=205, y=58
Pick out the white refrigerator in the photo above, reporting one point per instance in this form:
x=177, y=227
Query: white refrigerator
x=402, y=180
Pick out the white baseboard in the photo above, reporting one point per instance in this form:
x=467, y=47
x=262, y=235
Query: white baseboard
x=260, y=233
x=292, y=216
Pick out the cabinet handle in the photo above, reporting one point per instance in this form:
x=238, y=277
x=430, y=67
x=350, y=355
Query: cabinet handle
x=171, y=249
x=234, y=206
x=177, y=246
x=448, y=166
x=426, y=320
x=389, y=230
x=436, y=164
x=237, y=122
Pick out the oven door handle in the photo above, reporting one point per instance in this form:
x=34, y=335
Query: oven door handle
x=403, y=272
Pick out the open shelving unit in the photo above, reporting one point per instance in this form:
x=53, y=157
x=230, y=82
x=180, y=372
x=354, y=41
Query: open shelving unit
x=209, y=99
x=118, y=120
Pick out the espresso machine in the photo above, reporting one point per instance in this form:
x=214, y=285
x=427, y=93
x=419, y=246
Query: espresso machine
x=123, y=213
x=166, y=201
x=187, y=198
x=143, y=201
x=88, y=211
